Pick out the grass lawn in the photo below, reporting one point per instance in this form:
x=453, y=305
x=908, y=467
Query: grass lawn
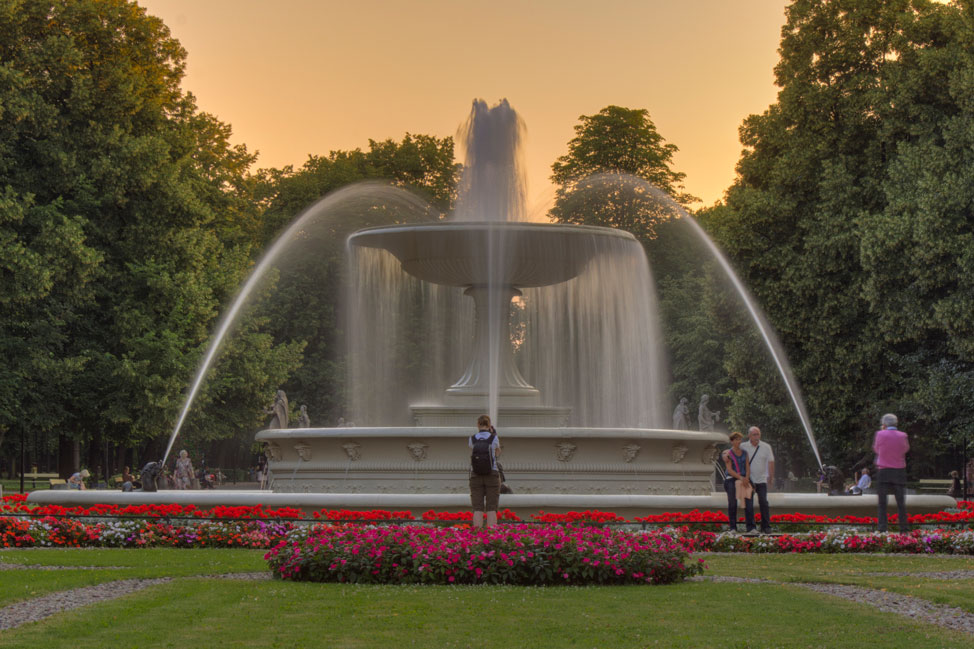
x=16, y=585
x=858, y=570
x=195, y=609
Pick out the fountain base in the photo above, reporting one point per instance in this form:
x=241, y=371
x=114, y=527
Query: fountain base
x=541, y=460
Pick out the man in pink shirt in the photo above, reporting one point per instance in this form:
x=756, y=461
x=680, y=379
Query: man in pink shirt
x=891, y=446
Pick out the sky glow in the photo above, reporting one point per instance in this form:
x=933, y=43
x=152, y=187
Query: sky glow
x=302, y=77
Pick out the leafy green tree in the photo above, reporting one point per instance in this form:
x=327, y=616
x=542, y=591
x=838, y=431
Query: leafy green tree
x=306, y=301
x=833, y=181
x=920, y=248
x=145, y=203
x=618, y=173
x=599, y=179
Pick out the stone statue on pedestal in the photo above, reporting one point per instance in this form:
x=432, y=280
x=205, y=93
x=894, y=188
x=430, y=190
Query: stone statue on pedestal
x=303, y=420
x=280, y=415
x=705, y=416
x=681, y=416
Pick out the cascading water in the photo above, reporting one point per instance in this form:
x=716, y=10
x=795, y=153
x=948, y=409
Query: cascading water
x=590, y=341
x=664, y=207
x=356, y=199
x=492, y=190
x=767, y=334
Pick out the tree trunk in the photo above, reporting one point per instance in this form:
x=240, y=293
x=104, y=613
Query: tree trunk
x=68, y=456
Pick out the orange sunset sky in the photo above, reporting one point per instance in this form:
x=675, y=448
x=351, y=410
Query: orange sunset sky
x=300, y=77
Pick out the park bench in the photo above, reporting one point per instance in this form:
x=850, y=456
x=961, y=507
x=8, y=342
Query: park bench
x=59, y=483
x=34, y=476
x=934, y=485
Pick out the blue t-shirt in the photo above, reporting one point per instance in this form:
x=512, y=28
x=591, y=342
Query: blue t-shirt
x=738, y=462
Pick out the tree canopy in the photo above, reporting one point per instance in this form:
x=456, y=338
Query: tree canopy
x=600, y=181
x=119, y=199
x=851, y=217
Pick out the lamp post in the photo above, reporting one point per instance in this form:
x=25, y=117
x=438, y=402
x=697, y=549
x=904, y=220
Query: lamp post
x=23, y=463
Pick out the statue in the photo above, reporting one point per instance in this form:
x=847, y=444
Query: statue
x=705, y=416
x=279, y=411
x=303, y=420
x=835, y=480
x=150, y=472
x=681, y=416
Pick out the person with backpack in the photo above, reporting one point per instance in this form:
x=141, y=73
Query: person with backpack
x=485, y=479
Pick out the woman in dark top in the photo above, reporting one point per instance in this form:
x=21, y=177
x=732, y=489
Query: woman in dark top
x=737, y=479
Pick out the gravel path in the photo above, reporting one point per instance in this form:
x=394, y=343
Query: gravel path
x=949, y=617
x=21, y=566
x=39, y=608
x=951, y=574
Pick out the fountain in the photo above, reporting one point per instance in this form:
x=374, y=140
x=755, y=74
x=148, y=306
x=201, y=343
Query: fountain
x=556, y=441
x=587, y=431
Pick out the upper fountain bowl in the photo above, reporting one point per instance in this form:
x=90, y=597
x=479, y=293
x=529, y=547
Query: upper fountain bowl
x=457, y=253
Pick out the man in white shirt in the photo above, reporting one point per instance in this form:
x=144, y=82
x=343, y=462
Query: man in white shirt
x=864, y=483
x=761, y=458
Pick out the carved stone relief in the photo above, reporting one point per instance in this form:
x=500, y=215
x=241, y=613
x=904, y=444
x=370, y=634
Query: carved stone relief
x=709, y=454
x=304, y=451
x=353, y=451
x=679, y=452
x=417, y=450
x=273, y=451
x=630, y=451
x=564, y=451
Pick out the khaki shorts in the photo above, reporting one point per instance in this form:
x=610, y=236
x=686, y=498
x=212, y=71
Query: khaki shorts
x=485, y=488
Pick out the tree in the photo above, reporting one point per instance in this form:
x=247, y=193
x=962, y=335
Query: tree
x=836, y=181
x=306, y=304
x=114, y=182
x=600, y=179
x=920, y=248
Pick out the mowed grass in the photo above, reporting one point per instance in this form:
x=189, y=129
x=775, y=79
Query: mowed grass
x=859, y=570
x=195, y=609
x=112, y=565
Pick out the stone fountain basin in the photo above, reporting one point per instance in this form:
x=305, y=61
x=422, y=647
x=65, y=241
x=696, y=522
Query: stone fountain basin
x=457, y=253
x=436, y=460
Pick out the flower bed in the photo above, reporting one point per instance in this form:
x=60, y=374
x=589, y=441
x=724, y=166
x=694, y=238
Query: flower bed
x=51, y=531
x=509, y=554
x=16, y=505
x=842, y=541
x=26, y=525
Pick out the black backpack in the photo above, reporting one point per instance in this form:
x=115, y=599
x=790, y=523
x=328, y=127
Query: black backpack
x=480, y=457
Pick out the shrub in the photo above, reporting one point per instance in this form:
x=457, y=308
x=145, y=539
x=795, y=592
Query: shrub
x=508, y=554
